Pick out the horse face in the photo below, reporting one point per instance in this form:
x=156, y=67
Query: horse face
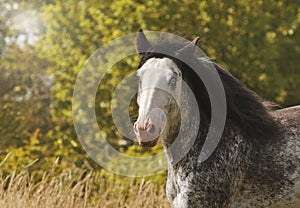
x=159, y=84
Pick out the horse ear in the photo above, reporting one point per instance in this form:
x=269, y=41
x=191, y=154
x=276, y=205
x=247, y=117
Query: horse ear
x=190, y=47
x=141, y=43
x=196, y=41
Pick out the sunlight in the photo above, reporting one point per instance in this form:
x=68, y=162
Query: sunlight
x=27, y=22
x=28, y=25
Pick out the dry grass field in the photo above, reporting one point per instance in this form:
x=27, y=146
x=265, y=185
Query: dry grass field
x=80, y=189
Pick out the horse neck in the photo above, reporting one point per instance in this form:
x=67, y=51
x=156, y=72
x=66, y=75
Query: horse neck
x=183, y=126
x=228, y=161
x=194, y=97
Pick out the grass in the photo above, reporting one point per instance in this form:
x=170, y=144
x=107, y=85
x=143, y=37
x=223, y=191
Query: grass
x=79, y=188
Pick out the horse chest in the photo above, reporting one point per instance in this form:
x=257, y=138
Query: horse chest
x=210, y=184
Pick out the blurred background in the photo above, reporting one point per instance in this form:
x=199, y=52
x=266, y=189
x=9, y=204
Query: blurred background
x=45, y=43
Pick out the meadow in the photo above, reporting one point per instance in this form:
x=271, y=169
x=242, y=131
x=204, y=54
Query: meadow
x=78, y=189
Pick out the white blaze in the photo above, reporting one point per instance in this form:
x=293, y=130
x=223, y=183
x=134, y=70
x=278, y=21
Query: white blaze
x=155, y=92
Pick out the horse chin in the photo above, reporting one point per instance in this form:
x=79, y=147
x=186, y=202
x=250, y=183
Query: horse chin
x=148, y=144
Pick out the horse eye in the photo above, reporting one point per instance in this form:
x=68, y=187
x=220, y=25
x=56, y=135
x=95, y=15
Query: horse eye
x=173, y=81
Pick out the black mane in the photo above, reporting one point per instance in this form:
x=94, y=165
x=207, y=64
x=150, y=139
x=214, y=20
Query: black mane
x=244, y=107
x=247, y=110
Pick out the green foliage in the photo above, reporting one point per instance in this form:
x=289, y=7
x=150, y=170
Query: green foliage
x=24, y=95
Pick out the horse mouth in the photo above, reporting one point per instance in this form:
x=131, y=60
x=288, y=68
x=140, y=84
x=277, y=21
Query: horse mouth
x=148, y=144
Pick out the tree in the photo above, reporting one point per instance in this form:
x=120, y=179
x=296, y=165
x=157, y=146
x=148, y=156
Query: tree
x=24, y=93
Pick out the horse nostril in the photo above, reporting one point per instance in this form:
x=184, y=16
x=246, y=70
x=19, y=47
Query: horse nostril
x=135, y=127
x=138, y=128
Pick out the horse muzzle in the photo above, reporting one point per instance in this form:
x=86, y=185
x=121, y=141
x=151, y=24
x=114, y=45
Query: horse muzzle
x=147, y=133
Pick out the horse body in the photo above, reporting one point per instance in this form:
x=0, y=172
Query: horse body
x=239, y=174
x=257, y=161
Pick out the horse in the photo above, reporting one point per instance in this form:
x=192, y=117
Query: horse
x=256, y=163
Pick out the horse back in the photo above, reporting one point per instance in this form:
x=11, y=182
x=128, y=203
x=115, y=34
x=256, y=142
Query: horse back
x=289, y=117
